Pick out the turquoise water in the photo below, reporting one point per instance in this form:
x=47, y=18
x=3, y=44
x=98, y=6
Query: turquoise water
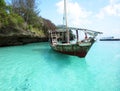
x=35, y=67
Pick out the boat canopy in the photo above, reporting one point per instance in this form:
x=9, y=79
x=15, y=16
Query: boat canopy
x=87, y=31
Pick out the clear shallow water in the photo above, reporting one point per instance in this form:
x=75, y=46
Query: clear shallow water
x=35, y=67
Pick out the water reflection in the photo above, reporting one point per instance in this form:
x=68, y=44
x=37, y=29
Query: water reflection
x=64, y=69
x=54, y=59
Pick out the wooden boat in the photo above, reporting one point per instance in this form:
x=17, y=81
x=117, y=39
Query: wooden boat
x=78, y=48
x=60, y=39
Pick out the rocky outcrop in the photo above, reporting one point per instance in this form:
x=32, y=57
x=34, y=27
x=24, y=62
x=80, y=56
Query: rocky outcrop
x=11, y=36
x=20, y=40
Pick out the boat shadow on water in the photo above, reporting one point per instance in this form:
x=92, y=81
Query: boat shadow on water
x=57, y=59
x=52, y=57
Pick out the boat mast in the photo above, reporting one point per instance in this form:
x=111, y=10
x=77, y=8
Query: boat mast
x=65, y=17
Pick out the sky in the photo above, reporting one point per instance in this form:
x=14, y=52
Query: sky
x=98, y=15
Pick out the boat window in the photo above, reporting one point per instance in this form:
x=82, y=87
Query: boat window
x=54, y=37
x=60, y=33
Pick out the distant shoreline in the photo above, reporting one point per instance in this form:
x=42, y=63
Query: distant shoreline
x=109, y=39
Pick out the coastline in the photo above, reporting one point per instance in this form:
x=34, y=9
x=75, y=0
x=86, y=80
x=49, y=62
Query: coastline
x=11, y=36
x=13, y=40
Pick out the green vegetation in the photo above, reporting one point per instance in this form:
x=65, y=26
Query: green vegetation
x=21, y=17
x=20, y=23
x=3, y=14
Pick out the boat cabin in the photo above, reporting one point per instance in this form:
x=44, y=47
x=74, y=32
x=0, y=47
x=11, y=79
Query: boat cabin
x=58, y=35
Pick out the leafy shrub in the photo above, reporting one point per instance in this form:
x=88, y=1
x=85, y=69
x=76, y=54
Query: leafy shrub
x=15, y=20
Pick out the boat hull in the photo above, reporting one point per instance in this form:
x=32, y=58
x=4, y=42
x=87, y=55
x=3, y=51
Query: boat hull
x=73, y=49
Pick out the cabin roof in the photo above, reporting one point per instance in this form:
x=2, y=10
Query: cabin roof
x=60, y=30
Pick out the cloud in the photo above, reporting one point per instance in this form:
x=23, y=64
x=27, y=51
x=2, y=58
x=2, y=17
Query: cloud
x=113, y=1
x=76, y=13
x=113, y=9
